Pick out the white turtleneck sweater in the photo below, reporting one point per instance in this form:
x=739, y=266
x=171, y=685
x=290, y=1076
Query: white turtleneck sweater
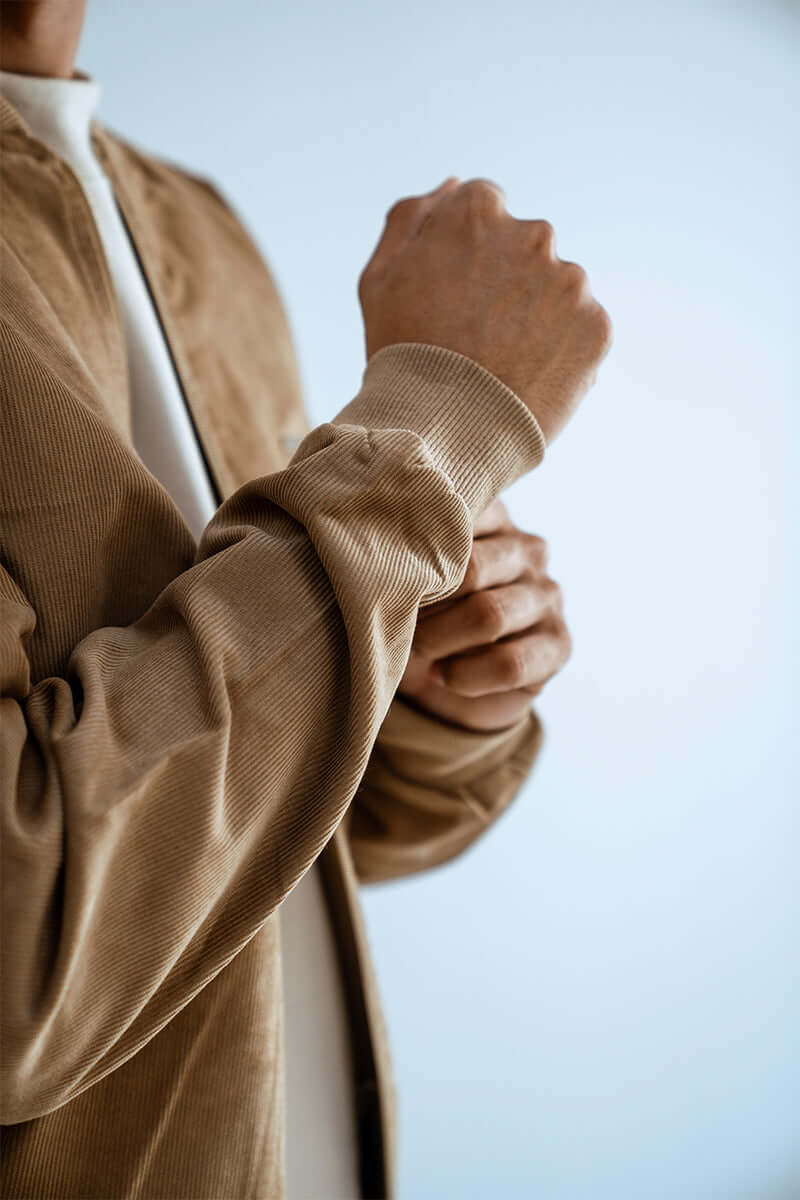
x=321, y=1145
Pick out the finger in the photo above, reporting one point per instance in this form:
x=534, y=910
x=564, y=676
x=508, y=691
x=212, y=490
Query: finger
x=492, y=520
x=484, y=617
x=480, y=197
x=541, y=236
x=496, y=559
x=482, y=713
x=525, y=661
x=499, y=711
x=406, y=217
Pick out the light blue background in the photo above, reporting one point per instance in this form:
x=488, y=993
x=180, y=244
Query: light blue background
x=600, y=1001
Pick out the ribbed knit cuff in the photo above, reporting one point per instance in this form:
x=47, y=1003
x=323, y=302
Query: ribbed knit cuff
x=475, y=427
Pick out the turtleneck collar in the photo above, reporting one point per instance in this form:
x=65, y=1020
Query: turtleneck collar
x=59, y=112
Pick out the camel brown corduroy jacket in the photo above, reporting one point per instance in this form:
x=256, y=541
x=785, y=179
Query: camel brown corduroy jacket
x=186, y=727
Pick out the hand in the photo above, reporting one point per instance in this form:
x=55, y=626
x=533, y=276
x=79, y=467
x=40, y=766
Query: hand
x=481, y=655
x=453, y=268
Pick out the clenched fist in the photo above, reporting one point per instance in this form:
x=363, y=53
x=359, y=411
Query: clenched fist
x=455, y=269
x=480, y=656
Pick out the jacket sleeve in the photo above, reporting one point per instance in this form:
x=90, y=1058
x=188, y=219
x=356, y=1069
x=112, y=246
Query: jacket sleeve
x=162, y=797
x=431, y=789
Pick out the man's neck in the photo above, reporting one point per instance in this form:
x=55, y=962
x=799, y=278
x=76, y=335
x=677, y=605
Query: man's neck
x=40, y=37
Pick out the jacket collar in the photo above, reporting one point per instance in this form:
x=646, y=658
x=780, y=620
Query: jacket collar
x=12, y=122
x=138, y=204
x=196, y=261
x=10, y=119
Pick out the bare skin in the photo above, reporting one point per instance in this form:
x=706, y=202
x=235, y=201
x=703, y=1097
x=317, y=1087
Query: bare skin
x=40, y=37
x=455, y=269
x=452, y=268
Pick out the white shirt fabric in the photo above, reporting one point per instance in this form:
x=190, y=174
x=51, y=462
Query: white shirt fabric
x=321, y=1137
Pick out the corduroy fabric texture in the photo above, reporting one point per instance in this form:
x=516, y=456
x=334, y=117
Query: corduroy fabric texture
x=185, y=727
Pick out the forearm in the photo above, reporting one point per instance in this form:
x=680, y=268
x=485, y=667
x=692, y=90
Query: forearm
x=431, y=789
x=192, y=765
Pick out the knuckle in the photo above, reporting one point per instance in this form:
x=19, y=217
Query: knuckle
x=402, y=208
x=490, y=613
x=557, y=602
x=542, y=235
x=512, y=665
x=551, y=589
x=560, y=640
x=481, y=195
x=538, y=550
x=602, y=326
x=573, y=277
